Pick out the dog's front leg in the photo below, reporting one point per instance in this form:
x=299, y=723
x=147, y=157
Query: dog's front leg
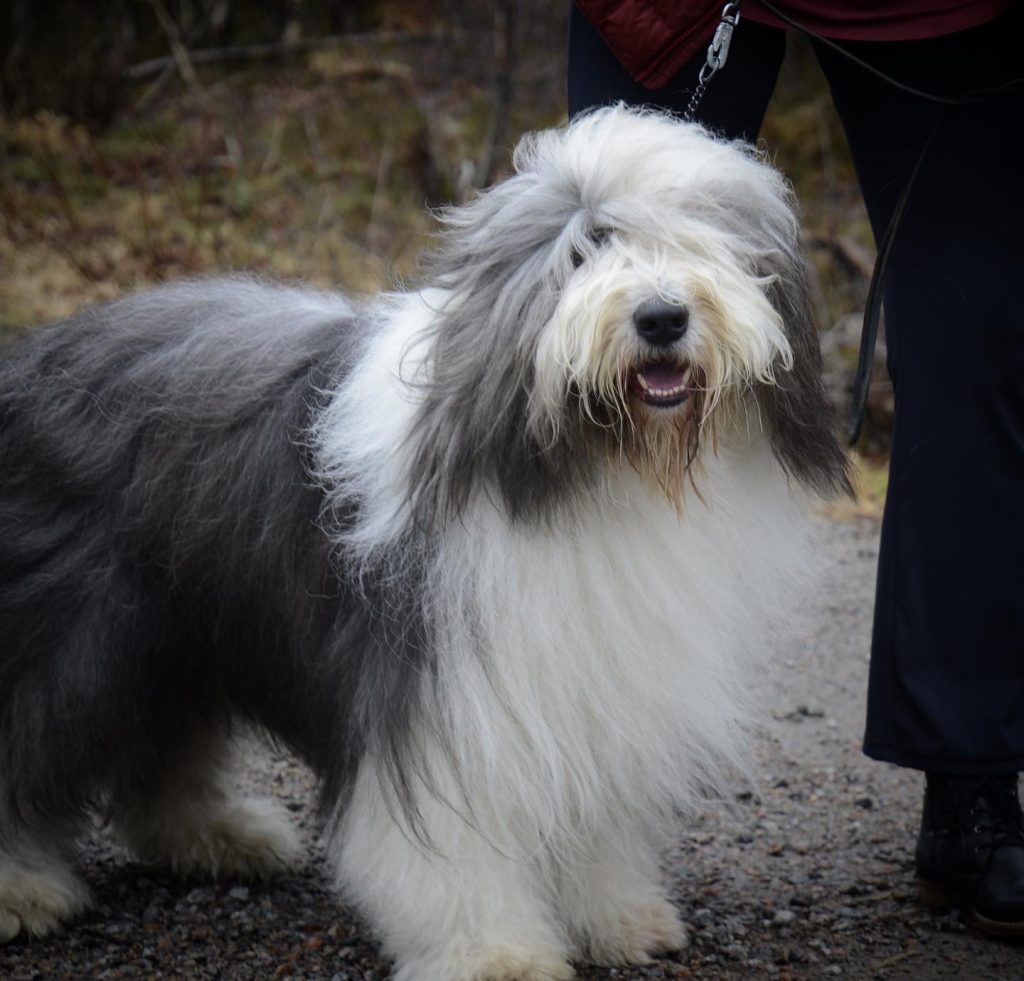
x=454, y=906
x=614, y=900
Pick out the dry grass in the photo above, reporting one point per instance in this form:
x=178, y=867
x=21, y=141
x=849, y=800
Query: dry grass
x=322, y=174
x=870, y=481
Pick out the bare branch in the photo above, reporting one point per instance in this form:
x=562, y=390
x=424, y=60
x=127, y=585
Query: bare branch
x=282, y=49
x=856, y=259
x=179, y=52
x=505, y=51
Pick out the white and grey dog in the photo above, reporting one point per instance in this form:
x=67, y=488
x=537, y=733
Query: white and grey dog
x=494, y=557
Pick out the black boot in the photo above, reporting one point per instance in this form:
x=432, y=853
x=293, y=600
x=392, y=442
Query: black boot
x=970, y=852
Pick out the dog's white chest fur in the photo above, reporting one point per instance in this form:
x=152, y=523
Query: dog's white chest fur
x=617, y=647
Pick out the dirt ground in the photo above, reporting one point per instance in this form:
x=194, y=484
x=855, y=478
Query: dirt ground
x=808, y=876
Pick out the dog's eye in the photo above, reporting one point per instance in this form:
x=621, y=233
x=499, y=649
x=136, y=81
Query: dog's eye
x=596, y=236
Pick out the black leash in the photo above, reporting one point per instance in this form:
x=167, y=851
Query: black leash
x=718, y=52
x=873, y=301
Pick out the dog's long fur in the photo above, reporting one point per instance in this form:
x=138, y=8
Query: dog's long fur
x=434, y=543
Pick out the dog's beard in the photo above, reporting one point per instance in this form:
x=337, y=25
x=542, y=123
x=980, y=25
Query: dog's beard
x=665, y=440
x=663, y=445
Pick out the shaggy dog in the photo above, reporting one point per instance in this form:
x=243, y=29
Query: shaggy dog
x=494, y=557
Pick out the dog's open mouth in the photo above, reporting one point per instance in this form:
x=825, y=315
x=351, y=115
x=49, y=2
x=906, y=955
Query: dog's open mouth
x=662, y=384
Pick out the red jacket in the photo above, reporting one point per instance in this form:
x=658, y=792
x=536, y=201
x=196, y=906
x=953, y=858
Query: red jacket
x=653, y=39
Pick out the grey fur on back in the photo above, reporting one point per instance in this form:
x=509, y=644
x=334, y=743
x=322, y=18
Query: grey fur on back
x=162, y=561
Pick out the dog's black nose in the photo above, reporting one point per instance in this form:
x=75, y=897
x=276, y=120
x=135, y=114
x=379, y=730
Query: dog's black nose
x=660, y=322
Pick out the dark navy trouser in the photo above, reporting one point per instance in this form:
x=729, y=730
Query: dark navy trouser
x=946, y=689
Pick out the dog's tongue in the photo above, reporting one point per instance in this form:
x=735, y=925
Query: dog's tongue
x=662, y=376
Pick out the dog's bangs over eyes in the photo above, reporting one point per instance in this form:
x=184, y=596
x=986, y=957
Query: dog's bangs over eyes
x=596, y=236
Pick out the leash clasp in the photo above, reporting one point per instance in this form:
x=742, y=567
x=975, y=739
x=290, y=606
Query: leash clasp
x=718, y=49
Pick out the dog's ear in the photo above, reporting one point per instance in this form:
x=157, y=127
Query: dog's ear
x=801, y=421
x=497, y=279
x=754, y=201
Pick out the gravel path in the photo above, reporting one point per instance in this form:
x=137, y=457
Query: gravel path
x=808, y=876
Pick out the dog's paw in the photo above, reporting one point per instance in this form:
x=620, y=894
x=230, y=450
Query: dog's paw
x=492, y=963
x=643, y=933
x=252, y=840
x=247, y=839
x=37, y=902
x=515, y=964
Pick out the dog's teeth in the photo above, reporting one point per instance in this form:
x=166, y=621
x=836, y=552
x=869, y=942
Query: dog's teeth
x=675, y=390
x=664, y=393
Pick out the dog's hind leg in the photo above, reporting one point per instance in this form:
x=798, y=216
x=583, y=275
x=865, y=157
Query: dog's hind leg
x=39, y=890
x=192, y=819
x=59, y=722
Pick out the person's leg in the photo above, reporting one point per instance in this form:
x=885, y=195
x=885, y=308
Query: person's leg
x=947, y=683
x=946, y=691
x=734, y=103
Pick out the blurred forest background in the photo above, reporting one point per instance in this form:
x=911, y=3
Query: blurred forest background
x=143, y=140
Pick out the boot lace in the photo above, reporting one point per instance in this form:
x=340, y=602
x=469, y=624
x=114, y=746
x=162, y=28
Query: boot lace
x=995, y=812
